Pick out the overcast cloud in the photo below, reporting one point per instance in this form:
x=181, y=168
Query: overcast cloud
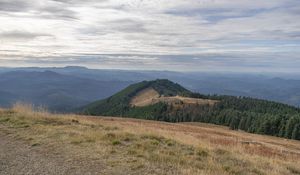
x=182, y=35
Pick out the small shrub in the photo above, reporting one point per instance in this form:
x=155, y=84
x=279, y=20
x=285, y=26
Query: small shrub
x=226, y=168
x=139, y=155
x=137, y=167
x=221, y=152
x=128, y=137
x=202, y=153
x=153, y=137
x=171, y=153
x=155, y=142
x=35, y=144
x=52, y=121
x=20, y=124
x=256, y=171
x=3, y=120
x=108, y=128
x=113, y=151
x=76, y=142
x=90, y=140
x=75, y=121
x=170, y=142
x=116, y=142
x=131, y=152
x=110, y=135
x=294, y=170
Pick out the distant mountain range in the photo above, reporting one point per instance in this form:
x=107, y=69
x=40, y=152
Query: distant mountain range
x=63, y=89
x=57, y=92
x=164, y=100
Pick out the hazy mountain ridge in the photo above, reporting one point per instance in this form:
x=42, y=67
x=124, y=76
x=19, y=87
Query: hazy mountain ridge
x=285, y=89
x=55, y=91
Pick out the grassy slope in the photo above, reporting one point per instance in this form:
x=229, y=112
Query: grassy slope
x=129, y=146
x=121, y=101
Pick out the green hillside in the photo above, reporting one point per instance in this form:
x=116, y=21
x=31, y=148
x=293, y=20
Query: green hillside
x=239, y=113
x=118, y=104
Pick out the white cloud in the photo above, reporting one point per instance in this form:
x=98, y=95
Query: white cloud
x=60, y=28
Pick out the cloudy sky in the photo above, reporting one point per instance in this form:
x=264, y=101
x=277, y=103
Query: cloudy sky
x=182, y=35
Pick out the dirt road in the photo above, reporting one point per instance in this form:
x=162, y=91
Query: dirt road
x=18, y=158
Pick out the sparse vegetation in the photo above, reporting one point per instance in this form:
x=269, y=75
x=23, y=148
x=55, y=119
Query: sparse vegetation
x=130, y=146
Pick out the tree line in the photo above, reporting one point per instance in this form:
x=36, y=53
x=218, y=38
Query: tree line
x=238, y=113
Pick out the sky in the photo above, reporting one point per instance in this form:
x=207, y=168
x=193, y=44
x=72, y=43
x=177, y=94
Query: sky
x=177, y=35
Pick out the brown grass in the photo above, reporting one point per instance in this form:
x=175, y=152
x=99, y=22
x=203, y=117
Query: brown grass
x=144, y=97
x=149, y=97
x=148, y=147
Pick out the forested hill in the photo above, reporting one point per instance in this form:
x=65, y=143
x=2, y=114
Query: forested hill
x=119, y=103
x=168, y=101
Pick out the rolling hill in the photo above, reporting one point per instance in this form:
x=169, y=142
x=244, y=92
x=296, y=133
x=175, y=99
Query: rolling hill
x=120, y=102
x=164, y=100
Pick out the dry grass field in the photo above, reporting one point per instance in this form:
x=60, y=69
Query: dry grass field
x=144, y=97
x=71, y=144
x=149, y=97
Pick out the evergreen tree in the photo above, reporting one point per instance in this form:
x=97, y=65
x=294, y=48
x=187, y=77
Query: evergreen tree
x=234, y=124
x=296, y=132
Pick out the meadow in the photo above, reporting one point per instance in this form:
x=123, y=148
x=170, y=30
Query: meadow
x=109, y=145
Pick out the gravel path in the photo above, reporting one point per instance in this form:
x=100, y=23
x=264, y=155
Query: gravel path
x=18, y=158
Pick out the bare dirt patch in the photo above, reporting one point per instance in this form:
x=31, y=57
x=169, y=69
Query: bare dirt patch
x=18, y=157
x=185, y=100
x=144, y=97
x=149, y=97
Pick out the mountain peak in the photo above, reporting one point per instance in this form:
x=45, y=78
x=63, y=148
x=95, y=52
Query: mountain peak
x=123, y=99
